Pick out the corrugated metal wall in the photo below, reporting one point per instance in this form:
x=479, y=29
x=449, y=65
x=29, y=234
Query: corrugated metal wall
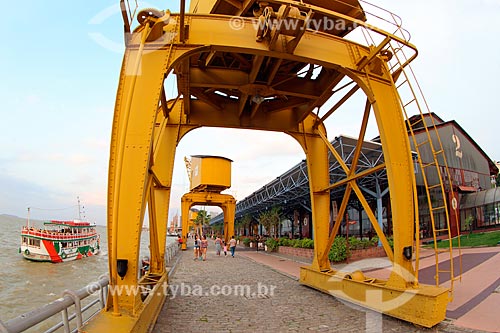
x=468, y=166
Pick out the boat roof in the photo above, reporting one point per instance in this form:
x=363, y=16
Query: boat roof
x=73, y=223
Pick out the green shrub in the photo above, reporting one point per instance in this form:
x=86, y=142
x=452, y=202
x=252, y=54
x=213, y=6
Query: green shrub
x=272, y=244
x=359, y=244
x=390, y=240
x=307, y=243
x=338, y=251
x=246, y=241
x=283, y=241
x=374, y=240
x=355, y=244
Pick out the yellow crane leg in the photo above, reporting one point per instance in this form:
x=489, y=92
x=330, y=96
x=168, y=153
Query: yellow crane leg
x=228, y=208
x=140, y=172
x=317, y=170
x=399, y=296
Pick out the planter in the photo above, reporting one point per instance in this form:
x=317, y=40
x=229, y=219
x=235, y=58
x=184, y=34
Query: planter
x=296, y=251
x=372, y=252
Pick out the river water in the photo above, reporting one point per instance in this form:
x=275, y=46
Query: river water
x=26, y=285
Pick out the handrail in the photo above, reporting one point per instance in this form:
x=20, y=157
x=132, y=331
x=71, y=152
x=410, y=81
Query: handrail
x=37, y=316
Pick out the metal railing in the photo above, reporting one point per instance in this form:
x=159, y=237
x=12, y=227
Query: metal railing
x=35, y=317
x=71, y=298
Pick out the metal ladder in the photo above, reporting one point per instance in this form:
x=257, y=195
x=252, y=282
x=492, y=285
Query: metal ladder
x=434, y=168
x=435, y=172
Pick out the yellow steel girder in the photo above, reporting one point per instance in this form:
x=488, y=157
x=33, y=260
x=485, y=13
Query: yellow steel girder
x=146, y=132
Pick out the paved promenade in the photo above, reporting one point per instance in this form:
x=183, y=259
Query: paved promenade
x=258, y=292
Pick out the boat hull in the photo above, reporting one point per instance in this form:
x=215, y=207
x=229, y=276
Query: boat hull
x=42, y=254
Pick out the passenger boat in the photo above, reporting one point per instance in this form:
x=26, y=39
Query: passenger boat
x=59, y=241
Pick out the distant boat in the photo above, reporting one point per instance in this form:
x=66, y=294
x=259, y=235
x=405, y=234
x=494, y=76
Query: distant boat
x=172, y=234
x=59, y=241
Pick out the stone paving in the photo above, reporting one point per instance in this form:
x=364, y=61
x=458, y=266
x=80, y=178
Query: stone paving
x=224, y=294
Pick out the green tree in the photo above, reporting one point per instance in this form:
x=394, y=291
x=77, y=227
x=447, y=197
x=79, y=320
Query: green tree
x=469, y=223
x=202, y=220
x=245, y=222
x=275, y=219
x=238, y=224
x=271, y=220
x=265, y=220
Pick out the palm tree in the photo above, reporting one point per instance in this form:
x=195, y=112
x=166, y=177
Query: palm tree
x=202, y=220
x=238, y=224
x=275, y=216
x=266, y=221
x=245, y=222
x=271, y=219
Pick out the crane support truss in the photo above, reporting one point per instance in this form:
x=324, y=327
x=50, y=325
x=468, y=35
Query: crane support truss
x=229, y=78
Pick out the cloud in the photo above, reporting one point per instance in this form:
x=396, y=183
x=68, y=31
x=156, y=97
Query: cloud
x=79, y=159
x=19, y=194
x=32, y=100
x=97, y=143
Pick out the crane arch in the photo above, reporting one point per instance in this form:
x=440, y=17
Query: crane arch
x=147, y=129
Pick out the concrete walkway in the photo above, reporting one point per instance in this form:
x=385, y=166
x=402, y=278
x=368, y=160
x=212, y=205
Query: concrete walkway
x=258, y=292
x=476, y=298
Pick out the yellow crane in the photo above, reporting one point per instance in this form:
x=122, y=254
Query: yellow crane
x=231, y=75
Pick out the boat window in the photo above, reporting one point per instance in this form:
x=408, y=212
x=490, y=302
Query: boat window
x=34, y=242
x=64, y=244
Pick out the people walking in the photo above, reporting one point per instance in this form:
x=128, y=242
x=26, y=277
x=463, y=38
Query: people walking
x=218, y=245
x=232, y=245
x=204, y=247
x=196, y=247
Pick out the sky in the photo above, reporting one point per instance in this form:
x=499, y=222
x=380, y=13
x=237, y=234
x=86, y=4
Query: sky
x=59, y=70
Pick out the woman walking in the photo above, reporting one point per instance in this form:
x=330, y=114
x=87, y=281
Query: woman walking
x=204, y=247
x=197, y=253
x=218, y=245
x=232, y=245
